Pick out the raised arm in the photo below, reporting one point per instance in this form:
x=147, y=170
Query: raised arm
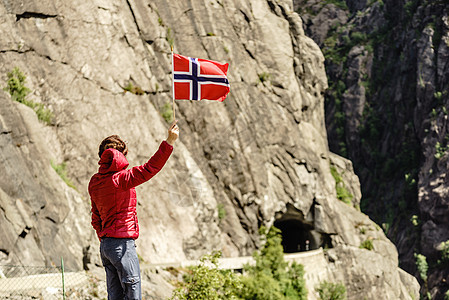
x=137, y=175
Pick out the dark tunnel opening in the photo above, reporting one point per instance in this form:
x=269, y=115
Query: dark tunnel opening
x=296, y=236
x=299, y=235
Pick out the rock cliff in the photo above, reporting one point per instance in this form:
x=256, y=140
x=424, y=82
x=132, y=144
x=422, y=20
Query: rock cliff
x=259, y=158
x=386, y=110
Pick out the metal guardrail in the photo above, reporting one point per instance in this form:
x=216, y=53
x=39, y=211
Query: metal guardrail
x=236, y=263
x=30, y=282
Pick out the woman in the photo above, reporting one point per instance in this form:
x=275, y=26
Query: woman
x=114, y=218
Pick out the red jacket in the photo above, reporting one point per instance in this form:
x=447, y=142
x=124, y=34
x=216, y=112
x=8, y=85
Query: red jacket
x=113, y=195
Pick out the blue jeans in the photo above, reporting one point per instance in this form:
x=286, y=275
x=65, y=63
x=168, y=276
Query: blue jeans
x=121, y=263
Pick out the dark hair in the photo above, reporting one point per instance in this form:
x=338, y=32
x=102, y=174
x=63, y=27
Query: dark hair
x=115, y=142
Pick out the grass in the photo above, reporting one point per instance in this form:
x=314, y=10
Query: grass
x=61, y=170
x=221, y=211
x=342, y=192
x=167, y=112
x=136, y=90
x=264, y=76
x=367, y=244
x=16, y=87
x=170, y=38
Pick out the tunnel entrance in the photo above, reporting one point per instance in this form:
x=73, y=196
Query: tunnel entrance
x=297, y=233
x=296, y=236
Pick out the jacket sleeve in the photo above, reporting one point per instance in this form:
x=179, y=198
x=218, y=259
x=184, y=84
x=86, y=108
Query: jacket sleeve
x=137, y=175
x=96, y=220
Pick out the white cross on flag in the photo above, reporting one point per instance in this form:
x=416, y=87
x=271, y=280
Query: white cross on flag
x=197, y=79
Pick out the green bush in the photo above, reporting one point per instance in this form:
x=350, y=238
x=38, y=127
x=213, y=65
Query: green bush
x=440, y=150
x=272, y=277
x=421, y=264
x=167, y=112
x=264, y=76
x=415, y=221
x=15, y=86
x=444, y=249
x=331, y=291
x=43, y=114
x=61, y=169
x=331, y=50
x=296, y=289
x=367, y=244
x=342, y=192
x=134, y=89
x=207, y=282
x=260, y=286
x=221, y=211
x=358, y=38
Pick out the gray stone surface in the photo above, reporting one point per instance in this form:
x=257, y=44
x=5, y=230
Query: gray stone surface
x=259, y=154
x=388, y=107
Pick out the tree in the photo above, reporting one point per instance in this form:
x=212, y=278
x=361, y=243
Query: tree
x=331, y=291
x=271, y=277
x=207, y=282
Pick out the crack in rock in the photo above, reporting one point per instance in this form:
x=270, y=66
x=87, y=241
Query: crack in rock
x=29, y=15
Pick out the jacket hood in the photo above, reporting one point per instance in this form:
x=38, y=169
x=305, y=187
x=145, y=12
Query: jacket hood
x=112, y=160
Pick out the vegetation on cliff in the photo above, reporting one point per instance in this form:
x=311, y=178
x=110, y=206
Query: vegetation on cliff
x=16, y=87
x=386, y=110
x=270, y=278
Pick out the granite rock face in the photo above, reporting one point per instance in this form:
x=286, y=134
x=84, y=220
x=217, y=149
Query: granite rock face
x=259, y=158
x=386, y=110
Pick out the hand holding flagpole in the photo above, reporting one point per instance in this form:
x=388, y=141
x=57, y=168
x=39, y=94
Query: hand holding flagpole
x=173, y=133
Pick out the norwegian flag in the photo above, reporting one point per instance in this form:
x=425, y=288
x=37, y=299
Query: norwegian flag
x=197, y=79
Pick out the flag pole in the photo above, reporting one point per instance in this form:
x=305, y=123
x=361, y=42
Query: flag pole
x=173, y=83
